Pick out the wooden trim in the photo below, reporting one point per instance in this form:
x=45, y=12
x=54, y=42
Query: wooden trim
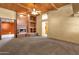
x=23, y=6
x=0, y=28
x=16, y=26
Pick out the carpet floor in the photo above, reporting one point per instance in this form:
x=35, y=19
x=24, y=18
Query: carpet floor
x=38, y=46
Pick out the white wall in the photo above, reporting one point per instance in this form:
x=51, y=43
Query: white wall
x=7, y=13
x=63, y=27
x=66, y=29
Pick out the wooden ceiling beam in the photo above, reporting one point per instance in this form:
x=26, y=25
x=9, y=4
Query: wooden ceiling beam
x=37, y=6
x=23, y=6
x=41, y=7
x=13, y=7
x=53, y=5
x=27, y=7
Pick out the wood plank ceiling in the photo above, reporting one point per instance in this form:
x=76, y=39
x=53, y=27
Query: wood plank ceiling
x=27, y=7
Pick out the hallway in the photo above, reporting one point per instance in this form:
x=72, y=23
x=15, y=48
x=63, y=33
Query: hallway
x=38, y=46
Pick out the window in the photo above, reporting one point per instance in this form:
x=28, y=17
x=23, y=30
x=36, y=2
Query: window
x=44, y=17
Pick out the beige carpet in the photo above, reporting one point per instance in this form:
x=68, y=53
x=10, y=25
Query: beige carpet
x=38, y=46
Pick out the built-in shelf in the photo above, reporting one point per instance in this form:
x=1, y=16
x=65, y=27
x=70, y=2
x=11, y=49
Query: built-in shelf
x=32, y=25
x=32, y=21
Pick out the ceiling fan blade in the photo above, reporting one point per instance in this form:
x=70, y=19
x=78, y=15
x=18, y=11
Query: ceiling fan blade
x=38, y=11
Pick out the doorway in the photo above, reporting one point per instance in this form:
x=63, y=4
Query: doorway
x=44, y=25
x=44, y=28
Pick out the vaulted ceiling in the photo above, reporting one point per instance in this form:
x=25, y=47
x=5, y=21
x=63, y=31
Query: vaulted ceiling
x=27, y=7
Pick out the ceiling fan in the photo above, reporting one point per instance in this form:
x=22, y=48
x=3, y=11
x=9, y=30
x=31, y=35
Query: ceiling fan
x=32, y=11
x=35, y=12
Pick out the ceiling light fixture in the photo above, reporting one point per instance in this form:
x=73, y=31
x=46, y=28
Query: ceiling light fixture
x=34, y=11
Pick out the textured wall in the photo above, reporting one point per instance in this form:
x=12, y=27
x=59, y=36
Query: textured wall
x=39, y=25
x=62, y=27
